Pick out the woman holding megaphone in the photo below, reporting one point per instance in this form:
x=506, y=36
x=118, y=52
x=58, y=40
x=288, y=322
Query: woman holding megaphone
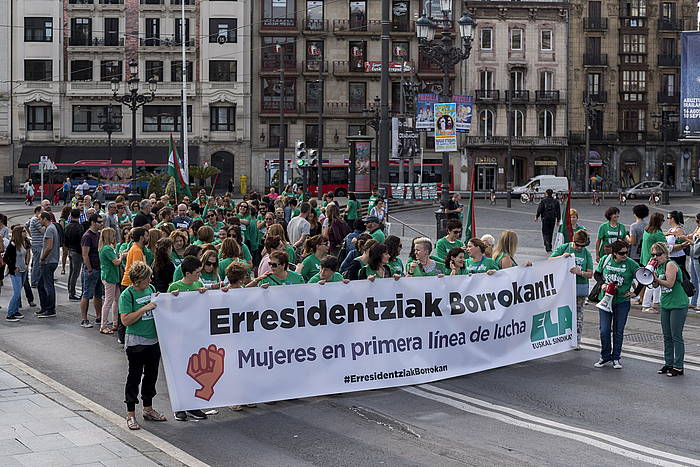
x=653, y=233
x=674, y=309
x=617, y=268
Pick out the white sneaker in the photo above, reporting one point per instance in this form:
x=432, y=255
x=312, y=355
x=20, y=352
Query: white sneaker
x=617, y=364
x=601, y=363
x=85, y=324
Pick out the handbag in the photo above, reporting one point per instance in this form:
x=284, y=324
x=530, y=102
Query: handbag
x=595, y=291
x=695, y=248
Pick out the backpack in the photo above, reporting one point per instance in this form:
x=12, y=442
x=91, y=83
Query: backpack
x=550, y=209
x=61, y=234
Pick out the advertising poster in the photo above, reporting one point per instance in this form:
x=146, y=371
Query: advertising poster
x=690, y=84
x=363, y=158
x=424, y=111
x=445, y=127
x=464, y=112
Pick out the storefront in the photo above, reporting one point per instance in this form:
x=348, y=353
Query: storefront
x=486, y=170
x=546, y=166
x=630, y=169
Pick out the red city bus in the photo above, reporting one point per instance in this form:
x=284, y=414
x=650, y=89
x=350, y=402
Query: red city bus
x=335, y=176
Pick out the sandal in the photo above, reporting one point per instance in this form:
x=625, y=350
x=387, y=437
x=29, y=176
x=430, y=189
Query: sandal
x=153, y=416
x=664, y=369
x=132, y=424
x=252, y=406
x=106, y=331
x=236, y=408
x=675, y=372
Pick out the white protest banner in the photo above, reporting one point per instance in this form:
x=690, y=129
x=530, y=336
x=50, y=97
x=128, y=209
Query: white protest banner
x=255, y=345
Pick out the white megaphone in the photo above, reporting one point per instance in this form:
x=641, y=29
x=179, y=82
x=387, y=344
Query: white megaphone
x=606, y=303
x=645, y=275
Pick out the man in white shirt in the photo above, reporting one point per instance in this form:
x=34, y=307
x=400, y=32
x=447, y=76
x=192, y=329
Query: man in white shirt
x=299, y=228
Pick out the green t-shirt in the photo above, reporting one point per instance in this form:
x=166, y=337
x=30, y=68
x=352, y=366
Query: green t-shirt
x=296, y=212
x=108, y=271
x=674, y=297
x=608, y=234
x=583, y=259
x=648, y=239
x=396, y=266
x=500, y=257
x=124, y=247
x=562, y=228
x=337, y=277
x=246, y=252
x=352, y=209
x=176, y=258
x=131, y=300
x=209, y=278
x=310, y=266
x=124, y=219
x=372, y=201
x=149, y=255
x=483, y=265
x=177, y=275
x=292, y=278
x=289, y=249
x=620, y=272
x=443, y=246
x=433, y=269
x=378, y=235
x=182, y=287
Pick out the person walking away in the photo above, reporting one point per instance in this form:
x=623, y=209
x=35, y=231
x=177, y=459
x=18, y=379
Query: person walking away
x=695, y=263
x=677, y=240
x=65, y=191
x=91, y=275
x=30, y=193
x=110, y=276
x=454, y=208
x=112, y=221
x=48, y=262
x=141, y=344
x=583, y=272
x=674, y=309
x=73, y=234
x=36, y=233
x=549, y=211
x=619, y=268
x=634, y=238
x=16, y=258
x=299, y=228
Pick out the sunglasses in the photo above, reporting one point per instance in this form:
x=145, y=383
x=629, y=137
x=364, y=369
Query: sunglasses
x=211, y=216
x=581, y=244
x=208, y=263
x=657, y=254
x=243, y=207
x=457, y=232
x=622, y=253
x=273, y=265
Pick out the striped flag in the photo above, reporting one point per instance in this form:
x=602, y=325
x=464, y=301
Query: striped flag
x=470, y=217
x=176, y=170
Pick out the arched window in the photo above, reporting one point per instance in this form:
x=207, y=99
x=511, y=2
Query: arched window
x=546, y=123
x=518, y=123
x=487, y=123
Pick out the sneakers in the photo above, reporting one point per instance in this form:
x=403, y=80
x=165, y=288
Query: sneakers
x=32, y=304
x=46, y=314
x=98, y=320
x=617, y=364
x=73, y=298
x=601, y=363
x=12, y=318
x=85, y=324
x=196, y=414
x=18, y=315
x=181, y=416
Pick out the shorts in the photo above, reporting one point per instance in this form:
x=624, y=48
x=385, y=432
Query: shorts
x=92, y=284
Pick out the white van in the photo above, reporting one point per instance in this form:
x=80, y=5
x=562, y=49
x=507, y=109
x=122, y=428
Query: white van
x=542, y=183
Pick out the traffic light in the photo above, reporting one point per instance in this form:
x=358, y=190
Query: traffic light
x=313, y=157
x=300, y=153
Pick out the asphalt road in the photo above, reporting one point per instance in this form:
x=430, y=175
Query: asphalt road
x=552, y=411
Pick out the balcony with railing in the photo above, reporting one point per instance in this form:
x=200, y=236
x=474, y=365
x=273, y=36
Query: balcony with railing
x=312, y=67
x=669, y=60
x=76, y=42
x=152, y=5
x=330, y=109
x=168, y=42
x=518, y=97
x=549, y=141
x=350, y=69
x=664, y=97
x=179, y=2
x=547, y=97
x=272, y=65
x=403, y=29
x=595, y=59
x=352, y=27
x=599, y=97
x=487, y=95
x=595, y=23
x=315, y=26
x=271, y=106
x=633, y=22
x=669, y=24
x=627, y=136
x=285, y=24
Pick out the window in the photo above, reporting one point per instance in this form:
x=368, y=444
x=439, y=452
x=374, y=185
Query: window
x=486, y=42
x=594, y=9
x=222, y=118
x=176, y=71
x=546, y=40
x=38, y=29
x=358, y=15
x=271, y=57
x=545, y=126
x=357, y=55
x=633, y=85
x=516, y=39
x=486, y=80
x=668, y=11
x=279, y=13
x=164, y=118
x=400, y=51
x=357, y=130
x=669, y=85
x=110, y=69
x=668, y=46
x=634, y=8
x=223, y=27
x=38, y=70
x=111, y=32
x=221, y=70
x=546, y=81
x=314, y=15
x=154, y=69
x=633, y=120
x=80, y=31
x=357, y=97
x=39, y=118
x=178, y=31
x=400, y=18
x=274, y=139
x=271, y=94
x=433, y=9
x=81, y=70
x=311, y=135
x=314, y=96
x=87, y=118
x=517, y=80
x=634, y=44
x=314, y=55
x=593, y=87
x=152, y=31
x=487, y=123
x=517, y=123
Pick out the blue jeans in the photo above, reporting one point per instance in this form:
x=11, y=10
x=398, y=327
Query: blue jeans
x=613, y=323
x=695, y=277
x=17, y=284
x=47, y=292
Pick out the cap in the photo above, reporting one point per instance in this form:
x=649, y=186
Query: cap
x=371, y=219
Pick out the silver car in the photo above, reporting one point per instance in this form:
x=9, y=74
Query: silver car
x=644, y=189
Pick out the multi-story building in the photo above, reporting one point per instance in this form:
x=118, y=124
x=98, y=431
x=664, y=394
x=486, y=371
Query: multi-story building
x=625, y=59
x=68, y=53
x=518, y=75
x=5, y=92
x=343, y=38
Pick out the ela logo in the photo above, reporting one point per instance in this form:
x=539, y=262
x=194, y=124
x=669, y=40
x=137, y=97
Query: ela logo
x=543, y=327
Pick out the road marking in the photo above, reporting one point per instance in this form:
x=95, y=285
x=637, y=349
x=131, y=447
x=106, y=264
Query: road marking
x=644, y=354
x=514, y=417
x=117, y=420
x=656, y=321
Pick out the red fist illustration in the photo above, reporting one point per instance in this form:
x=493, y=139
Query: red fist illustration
x=206, y=367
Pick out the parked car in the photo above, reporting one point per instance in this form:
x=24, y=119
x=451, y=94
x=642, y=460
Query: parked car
x=542, y=183
x=644, y=189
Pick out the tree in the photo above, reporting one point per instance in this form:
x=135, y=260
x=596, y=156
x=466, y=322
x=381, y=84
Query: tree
x=203, y=174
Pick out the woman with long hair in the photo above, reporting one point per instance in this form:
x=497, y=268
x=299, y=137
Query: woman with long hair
x=272, y=243
x=335, y=228
x=352, y=208
x=378, y=264
x=653, y=233
x=315, y=249
x=111, y=278
x=163, y=266
x=454, y=262
x=64, y=220
x=180, y=243
x=677, y=240
x=16, y=258
x=280, y=275
x=695, y=262
x=279, y=231
x=363, y=246
x=393, y=247
x=504, y=251
x=210, y=269
x=314, y=225
x=230, y=252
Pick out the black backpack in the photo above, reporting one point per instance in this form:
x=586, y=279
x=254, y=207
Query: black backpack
x=61, y=234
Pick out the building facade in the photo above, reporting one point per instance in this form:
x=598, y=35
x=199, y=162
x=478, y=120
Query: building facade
x=625, y=59
x=343, y=40
x=5, y=94
x=518, y=75
x=67, y=53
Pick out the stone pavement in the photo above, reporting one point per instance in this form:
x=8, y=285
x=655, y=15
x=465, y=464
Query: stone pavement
x=40, y=426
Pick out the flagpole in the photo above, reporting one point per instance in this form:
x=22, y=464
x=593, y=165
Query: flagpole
x=185, y=149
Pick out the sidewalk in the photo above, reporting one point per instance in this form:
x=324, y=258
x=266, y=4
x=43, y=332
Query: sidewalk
x=42, y=426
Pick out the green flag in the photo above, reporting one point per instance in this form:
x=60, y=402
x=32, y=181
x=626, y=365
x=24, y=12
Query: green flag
x=176, y=171
x=470, y=217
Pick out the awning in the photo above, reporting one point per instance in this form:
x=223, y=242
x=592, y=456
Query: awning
x=120, y=154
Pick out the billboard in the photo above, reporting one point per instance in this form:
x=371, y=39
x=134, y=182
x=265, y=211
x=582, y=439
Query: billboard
x=690, y=84
x=464, y=112
x=424, y=111
x=445, y=127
